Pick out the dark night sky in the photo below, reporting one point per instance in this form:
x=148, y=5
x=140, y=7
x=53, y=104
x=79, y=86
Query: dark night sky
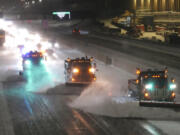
x=91, y=5
x=94, y=6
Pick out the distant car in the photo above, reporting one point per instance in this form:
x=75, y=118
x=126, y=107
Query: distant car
x=32, y=60
x=76, y=31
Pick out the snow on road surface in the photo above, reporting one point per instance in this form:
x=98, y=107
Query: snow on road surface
x=150, y=35
x=6, y=121
x=107, y=96
x=168, y=127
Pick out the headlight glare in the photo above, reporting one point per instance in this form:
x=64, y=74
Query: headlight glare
x=75, y=70
x=92, y=70
x=149, y=86
x=42, y=62
x=27, y=62
x=172, y=86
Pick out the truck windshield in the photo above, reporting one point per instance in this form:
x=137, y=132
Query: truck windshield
x=82, y=64
x=157, y=82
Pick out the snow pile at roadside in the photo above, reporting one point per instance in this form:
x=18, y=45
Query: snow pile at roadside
x=150, y=36
x=108, y=24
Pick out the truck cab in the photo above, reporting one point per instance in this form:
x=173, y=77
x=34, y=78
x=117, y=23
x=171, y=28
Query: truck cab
x=32, y=59
x=80, y=70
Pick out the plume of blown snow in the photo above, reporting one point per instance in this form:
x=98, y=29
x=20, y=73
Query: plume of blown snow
x=98, y=95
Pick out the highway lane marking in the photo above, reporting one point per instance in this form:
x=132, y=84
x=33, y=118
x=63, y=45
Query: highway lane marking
x=78, y=116
x=150, y=129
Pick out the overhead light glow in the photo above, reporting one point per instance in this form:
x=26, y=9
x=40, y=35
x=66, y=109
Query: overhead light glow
x=62, y=14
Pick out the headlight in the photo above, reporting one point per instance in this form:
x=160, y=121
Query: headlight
x=27, y=62
x=148, y=86
x=146, y=95
x=75, y=70
x=92, y=70
x=42, y=62
x=173, y=94
x=172, y=86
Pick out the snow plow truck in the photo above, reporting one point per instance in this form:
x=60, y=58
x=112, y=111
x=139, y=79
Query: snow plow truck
x=153, y=88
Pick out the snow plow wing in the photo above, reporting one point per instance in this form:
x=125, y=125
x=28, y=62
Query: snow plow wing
x=159, y=104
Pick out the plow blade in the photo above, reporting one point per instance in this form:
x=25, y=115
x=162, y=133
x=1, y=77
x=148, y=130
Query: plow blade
x=159, y=104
